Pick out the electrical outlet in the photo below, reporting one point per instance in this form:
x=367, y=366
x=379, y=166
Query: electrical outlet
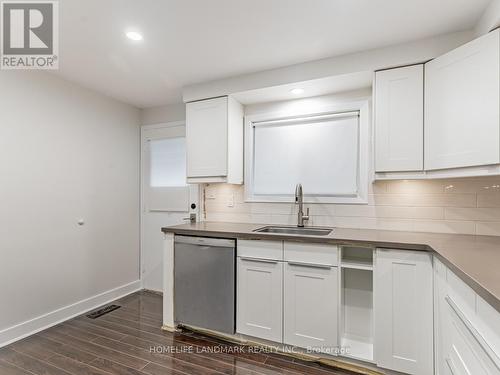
x=230, y=200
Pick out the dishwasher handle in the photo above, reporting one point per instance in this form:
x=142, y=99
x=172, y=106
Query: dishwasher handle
x=204, y=241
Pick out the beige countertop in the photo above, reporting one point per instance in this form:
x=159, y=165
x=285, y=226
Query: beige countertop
x=475, y=259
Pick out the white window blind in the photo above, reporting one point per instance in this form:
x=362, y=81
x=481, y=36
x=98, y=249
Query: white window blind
x=320, y=152
x=167, y=162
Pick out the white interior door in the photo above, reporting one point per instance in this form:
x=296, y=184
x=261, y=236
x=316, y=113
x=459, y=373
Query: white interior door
x=166, y=197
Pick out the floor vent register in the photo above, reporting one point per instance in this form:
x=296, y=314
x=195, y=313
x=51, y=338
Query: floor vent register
x=103, y=311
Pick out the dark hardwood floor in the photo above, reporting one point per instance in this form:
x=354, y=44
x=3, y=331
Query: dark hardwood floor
x=129, y=341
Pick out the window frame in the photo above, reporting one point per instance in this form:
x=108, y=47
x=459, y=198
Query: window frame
x=361, y=106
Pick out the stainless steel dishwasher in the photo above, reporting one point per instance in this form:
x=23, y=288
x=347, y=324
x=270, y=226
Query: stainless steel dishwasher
x=204, y=283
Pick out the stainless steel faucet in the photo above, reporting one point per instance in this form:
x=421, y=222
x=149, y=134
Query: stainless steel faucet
x=299, y=199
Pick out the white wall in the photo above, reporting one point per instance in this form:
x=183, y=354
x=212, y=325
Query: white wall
x=303, y=106
x=162, y=114
x=371, y=60
x=490, y=19
x=65, y=153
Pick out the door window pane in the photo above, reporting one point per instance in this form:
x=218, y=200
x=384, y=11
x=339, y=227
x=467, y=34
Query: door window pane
x=167, y=162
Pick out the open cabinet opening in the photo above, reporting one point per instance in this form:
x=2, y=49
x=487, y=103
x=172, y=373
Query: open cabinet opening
x=357, y=257
x=356, y=326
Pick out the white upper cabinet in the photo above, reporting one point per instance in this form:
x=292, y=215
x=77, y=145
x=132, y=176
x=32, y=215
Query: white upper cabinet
x=462, y=106
x=399, y=119
x=214, y=140
x=403, y=305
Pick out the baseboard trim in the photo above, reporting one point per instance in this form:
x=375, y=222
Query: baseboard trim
x=158, y=292
x=170, y=329
x=32, y=326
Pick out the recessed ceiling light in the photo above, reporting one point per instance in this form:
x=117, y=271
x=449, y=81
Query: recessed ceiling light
x=134, y=35
x=297, y=91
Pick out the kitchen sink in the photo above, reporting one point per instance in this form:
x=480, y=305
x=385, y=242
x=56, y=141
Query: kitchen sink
x=301, y=231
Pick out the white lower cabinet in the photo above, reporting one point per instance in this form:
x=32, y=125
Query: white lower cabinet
x=403, y=309
x=259, y=298
x=466, y=342
x=463, y=354
x=311, y=307
x=426, y=320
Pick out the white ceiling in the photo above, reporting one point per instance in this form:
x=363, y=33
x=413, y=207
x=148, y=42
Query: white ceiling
x=192, y=41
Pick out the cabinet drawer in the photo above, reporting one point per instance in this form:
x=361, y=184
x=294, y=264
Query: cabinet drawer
x=260, y=249
x=467, y=352
x=488, y=324
x=311, y=253
x=463, y=295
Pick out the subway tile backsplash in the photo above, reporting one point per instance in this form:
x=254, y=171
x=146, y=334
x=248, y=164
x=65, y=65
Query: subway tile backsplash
x=467, y=206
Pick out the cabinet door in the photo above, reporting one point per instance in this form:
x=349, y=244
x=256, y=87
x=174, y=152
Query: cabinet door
x=259, y=298
x=310, y=306
x=462, y=105
x=399, y=119
x=403, y=311
x=440, y=318
x=206, y=138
